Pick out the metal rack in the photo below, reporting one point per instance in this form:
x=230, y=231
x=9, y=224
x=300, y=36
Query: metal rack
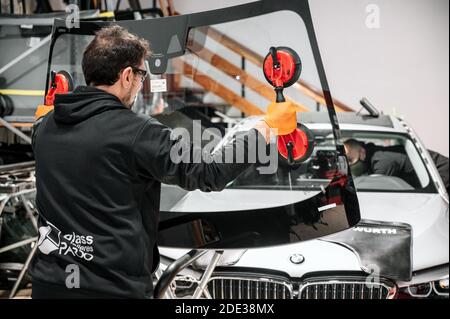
x=162, y=289
x=19, y=189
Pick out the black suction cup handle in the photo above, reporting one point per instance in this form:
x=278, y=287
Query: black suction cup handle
x=274, y=53
x=53, y=79
x=290, y=149
x=280, y=95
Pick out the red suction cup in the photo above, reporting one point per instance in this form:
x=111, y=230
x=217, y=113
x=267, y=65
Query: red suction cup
x=60, y=83
x=282, y=68
x=297, y=146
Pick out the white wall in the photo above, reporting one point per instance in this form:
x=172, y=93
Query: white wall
x=402, y=67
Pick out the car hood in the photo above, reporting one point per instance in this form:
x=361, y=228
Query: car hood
x=427, y=214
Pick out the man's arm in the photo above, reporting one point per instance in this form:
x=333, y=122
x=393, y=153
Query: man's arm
x=442, y=165
x=155, y=147
x=388, y=163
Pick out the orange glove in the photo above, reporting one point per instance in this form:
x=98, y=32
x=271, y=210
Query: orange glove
x=282, y=116
x=42, y=110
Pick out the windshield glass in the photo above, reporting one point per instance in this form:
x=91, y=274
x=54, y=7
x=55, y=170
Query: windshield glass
x=25, y=43
x=23, y=64
x=392, y=163
x=219, y=82
x=314, y=174
x=210, y=86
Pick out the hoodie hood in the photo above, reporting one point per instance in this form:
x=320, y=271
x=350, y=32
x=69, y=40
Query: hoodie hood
x=83, y=103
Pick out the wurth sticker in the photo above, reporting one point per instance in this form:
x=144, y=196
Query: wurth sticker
x=371, y=230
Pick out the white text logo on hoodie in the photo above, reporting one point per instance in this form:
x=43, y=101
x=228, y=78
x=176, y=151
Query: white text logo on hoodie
x=50, y=240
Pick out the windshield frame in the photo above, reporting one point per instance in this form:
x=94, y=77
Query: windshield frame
x=334, y=209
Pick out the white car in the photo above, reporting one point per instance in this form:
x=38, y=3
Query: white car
x=400, y=249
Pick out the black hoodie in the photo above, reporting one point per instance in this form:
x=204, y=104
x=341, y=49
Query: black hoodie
x=99, y=169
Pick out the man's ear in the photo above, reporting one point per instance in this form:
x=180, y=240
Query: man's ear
x=126, y=77
x=363, y=154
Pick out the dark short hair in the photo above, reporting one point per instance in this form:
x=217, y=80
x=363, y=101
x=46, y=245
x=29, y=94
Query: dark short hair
x=112, y=50
x=352, y=143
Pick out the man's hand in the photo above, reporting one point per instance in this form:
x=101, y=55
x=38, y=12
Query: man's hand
x=283, y=117
x=264, y=129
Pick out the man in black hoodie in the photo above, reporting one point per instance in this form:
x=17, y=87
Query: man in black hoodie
x=99, y=169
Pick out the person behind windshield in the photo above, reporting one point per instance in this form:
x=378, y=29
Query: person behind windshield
x=370, y=159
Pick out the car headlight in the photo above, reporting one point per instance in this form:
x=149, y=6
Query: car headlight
x=441, y=286
x=421, y=287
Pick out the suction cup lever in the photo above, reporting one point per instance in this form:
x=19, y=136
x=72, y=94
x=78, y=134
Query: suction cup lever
x=53, y=79
x=276, y=62
x=290, y=150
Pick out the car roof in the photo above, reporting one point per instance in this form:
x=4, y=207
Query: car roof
x=347, y=118
x=351, y=120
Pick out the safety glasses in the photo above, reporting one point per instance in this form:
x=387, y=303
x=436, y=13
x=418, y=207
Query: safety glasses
x=142, y=73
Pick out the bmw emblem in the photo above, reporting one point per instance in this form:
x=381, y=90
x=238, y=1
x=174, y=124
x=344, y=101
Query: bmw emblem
x=297, y=259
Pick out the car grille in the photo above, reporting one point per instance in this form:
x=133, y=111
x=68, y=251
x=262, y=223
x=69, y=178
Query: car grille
x=345, y=288
x=249, y=288
x=228, y=287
